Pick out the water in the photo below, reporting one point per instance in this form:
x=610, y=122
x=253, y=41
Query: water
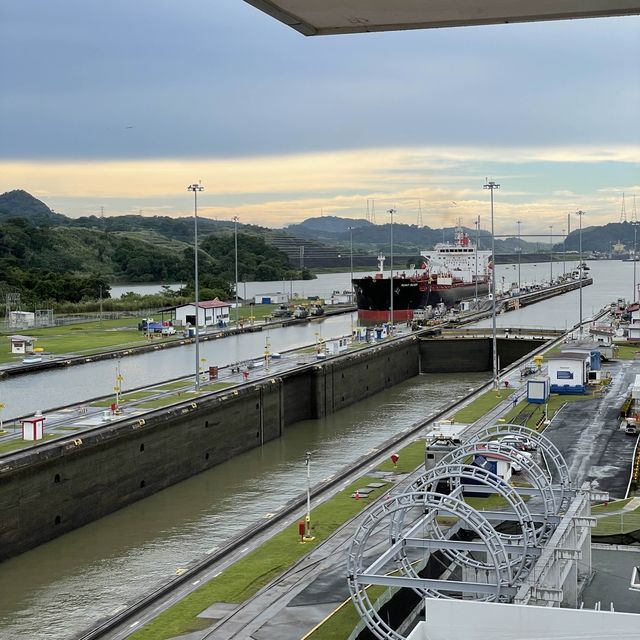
x=57, y=589
x=25, y=394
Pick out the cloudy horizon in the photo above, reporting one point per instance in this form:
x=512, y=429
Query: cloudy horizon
x=122, y=106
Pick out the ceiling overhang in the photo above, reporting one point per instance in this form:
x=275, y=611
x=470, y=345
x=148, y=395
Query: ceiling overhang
x=326, y=17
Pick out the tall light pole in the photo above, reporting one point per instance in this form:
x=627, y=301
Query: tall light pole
x=580, y=214
x=551, y=254
x=196, y=188
x=351, y=260
x=491, y=185
x=391, y=212
x=564, y=253
x=235, y=242
x=476, y=252
x=307, y=520
x=519, y=222
x=635, y=229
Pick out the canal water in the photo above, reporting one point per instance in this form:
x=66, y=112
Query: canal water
x=59, y=588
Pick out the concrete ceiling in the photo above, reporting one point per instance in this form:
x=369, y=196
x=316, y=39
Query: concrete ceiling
x=324, y=17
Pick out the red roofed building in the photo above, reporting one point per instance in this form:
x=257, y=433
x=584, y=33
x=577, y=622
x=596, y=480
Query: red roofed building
x=211, y=313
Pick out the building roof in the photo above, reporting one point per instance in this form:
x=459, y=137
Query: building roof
x=320, y=17
x=213, y=304
x=568, y=355
x=19, y=338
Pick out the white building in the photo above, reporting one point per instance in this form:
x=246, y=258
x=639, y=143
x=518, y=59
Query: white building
x=568, y=372
x=634, y=326
x=22, y=344
x=271, y=298
x=211, y=313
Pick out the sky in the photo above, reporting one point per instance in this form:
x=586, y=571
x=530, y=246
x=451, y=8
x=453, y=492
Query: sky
x=118, y=106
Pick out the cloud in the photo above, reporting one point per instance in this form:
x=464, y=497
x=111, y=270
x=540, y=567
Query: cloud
x=276, y=190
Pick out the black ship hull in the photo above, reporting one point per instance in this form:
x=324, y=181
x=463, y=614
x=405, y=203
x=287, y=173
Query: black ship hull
x=373, y=296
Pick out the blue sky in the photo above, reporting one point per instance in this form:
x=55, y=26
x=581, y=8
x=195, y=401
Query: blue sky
x=122, y=104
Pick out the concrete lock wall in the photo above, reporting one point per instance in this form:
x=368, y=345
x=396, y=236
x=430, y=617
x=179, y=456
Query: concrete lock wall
x=55, y=488
x=463, y=355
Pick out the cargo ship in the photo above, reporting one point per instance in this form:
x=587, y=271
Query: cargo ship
x=449, y=274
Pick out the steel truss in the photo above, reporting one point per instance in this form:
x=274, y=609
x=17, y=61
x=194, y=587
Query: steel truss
x=431, y=521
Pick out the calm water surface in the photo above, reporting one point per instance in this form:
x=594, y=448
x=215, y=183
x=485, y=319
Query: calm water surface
x=60, y=587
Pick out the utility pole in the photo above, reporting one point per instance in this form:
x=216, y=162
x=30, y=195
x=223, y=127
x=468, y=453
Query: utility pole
x=196, y=188
x=491, y=185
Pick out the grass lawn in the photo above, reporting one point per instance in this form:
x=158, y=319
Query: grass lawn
x=245, y=577
x=482, y=405
x=628, y=351
x=615, y=505
x=16, y=445
x=180, y=384
x=86, y=338
x=410, y=458
x=124, y=398
x=536, y=411
x=617, y=523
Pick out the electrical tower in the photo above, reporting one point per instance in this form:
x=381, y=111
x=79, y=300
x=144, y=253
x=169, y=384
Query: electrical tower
x=623, y=211
x=420, y=223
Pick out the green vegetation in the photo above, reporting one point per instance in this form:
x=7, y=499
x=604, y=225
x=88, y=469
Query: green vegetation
x=410, y=458
x=85, y=338
x=482, y=405
x=531, y=415
x=628, y=351
x=624, y=522
x=245, y=577
x=51, y=259
x=16, y=445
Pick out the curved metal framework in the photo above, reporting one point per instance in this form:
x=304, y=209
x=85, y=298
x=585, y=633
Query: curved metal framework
x=552, y=457
x=428, y=505
x=410, y=526
x=529, y=466
x=455, y=475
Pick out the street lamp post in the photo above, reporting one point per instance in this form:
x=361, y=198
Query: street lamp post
x=635, y=229
x=519, y=222
x=307, y=520
x=491, y=185
x=196, y=188
x=564, y=253
x=391, y=212
x=235, y=242
x=580, y=214
x=551, y=254
x=476, y=252
x=351, y=260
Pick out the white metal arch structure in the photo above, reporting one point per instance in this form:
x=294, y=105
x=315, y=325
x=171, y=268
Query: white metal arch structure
x=381, y=571
x=549, y=450
x=534, y=472
x=520, y=546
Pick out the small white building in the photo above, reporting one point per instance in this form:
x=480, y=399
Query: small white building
x=634, y=326
x=211, y=313
x=568, y=372
x=271, y=298
x=22, y=344
x=336, y=346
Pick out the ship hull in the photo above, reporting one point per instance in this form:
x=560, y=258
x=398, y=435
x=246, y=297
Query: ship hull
x=373, y=296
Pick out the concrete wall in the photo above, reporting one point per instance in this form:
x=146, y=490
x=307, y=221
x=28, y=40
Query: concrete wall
x=58, y=487
x=461, y=355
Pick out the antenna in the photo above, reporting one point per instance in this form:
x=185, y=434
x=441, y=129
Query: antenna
x=634, y=217
x=420, y=223
x=101, y=212
x=623, y=211
x=373, y=211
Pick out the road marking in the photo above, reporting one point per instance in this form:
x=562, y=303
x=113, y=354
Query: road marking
x=217, y=574
x=245, y=549
x=195, y=583
x=135, y=624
